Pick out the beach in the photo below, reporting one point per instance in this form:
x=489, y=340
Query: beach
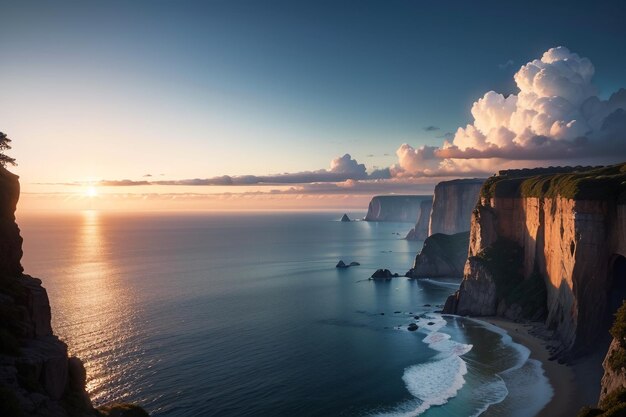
x=573, y=384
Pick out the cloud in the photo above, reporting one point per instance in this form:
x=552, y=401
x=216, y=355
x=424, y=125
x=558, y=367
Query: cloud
x=431, y=128
x=342, y=168
x=556, y=115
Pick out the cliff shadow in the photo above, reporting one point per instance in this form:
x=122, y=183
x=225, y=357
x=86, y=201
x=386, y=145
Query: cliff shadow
x=617, y=287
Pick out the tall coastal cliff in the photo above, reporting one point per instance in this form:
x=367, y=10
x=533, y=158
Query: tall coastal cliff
x=37, y=378
x=420, y=231
x=452, y=205
x=549, y=243
x=394, y=208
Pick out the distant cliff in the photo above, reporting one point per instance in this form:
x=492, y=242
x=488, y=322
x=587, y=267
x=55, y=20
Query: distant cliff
x=452, y=205
x=420, y=231
x=37, y=378
x=394, y=208
x=549, y=243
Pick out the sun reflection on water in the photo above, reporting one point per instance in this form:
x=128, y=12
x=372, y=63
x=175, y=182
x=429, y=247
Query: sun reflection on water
x=98, y=321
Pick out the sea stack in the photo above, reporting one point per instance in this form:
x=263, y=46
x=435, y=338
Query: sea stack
x=345, y=218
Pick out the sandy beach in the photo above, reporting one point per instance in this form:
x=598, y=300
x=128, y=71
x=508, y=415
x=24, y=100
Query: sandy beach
x=574, y=385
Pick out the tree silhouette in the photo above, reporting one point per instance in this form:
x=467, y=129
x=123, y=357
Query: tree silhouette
x=4, y=145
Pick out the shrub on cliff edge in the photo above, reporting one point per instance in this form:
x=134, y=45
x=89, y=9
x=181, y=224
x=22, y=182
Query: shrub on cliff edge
x=618, y=330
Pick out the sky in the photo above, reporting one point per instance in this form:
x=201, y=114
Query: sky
x=301, y=104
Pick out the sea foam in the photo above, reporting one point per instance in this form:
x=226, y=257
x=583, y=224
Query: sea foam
x=436, y=381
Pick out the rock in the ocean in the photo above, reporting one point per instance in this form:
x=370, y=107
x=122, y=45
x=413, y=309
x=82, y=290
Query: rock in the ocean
x=342, y=264
x=412, y=327
x=345, y=218
x=384, y=274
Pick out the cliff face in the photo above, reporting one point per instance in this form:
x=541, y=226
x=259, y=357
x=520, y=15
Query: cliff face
x=560, y=232
x=37, y=378
x=420, y=231
x=452, y=206
x=394, y=208
x=441, y=256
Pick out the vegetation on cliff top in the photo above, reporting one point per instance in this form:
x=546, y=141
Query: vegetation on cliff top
x=4, y=145
x=579, y=183
x=504, y=259
x=617, y=360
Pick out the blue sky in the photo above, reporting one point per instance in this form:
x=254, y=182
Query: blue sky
x=201, y=89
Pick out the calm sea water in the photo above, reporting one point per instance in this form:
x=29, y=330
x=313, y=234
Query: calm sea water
x=245, y=314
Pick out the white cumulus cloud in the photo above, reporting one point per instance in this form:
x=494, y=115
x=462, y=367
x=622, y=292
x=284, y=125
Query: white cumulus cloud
x=556, y=115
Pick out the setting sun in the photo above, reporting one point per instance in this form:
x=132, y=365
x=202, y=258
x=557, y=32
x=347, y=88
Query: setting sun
x=91, y=191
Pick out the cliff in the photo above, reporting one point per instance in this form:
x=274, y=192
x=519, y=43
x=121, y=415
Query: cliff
x=441, y=256
x=394, y=208
x=37, y=378
x=452, y=205
x=549, y=243
x=420, y=231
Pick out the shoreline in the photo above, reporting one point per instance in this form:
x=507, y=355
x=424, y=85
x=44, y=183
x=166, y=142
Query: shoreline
x=570, y=392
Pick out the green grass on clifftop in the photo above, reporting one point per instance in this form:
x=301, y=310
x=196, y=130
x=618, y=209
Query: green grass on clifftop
x=579, y=183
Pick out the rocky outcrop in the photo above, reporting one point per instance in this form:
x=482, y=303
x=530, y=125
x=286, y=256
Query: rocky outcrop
x=10, y=239
x=384, y=274
x=441, y=256
x=420, y=231
x=37, y=378
x=345, y=218
x=452, y=205
x=394, y=208
x=562, y=231
x=342, y=265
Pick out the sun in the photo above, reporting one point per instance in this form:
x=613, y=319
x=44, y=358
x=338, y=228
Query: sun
x=91, y=191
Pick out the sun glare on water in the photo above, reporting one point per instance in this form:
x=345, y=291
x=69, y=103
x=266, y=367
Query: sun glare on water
x=91, y=191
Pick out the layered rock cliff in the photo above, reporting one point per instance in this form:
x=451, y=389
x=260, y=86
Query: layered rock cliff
x=452, y=205
x=420, y=231
x=548, y=243
x=394, y=208
x=441, y=256
x=37, y=378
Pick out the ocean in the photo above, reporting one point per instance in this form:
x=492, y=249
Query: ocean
x=245, y=314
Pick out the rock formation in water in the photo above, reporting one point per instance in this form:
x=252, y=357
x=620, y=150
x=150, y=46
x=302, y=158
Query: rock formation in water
x=394, y=208
x=441, y=256
x=549, y=243
x=37, y=378
x=452, y=205
x=345, y=218
x=420, y=231
x=384, y=274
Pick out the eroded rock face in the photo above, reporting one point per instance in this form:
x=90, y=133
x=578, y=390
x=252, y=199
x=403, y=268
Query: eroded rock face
x=613, y=379
x=478, y=291
x=10, y=239
x=394, y=208
x=441, y=256
x=420, y=231
x=571, y=243
x=453, y=203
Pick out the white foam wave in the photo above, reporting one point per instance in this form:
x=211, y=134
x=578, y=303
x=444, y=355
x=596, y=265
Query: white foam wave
x=434, y=382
